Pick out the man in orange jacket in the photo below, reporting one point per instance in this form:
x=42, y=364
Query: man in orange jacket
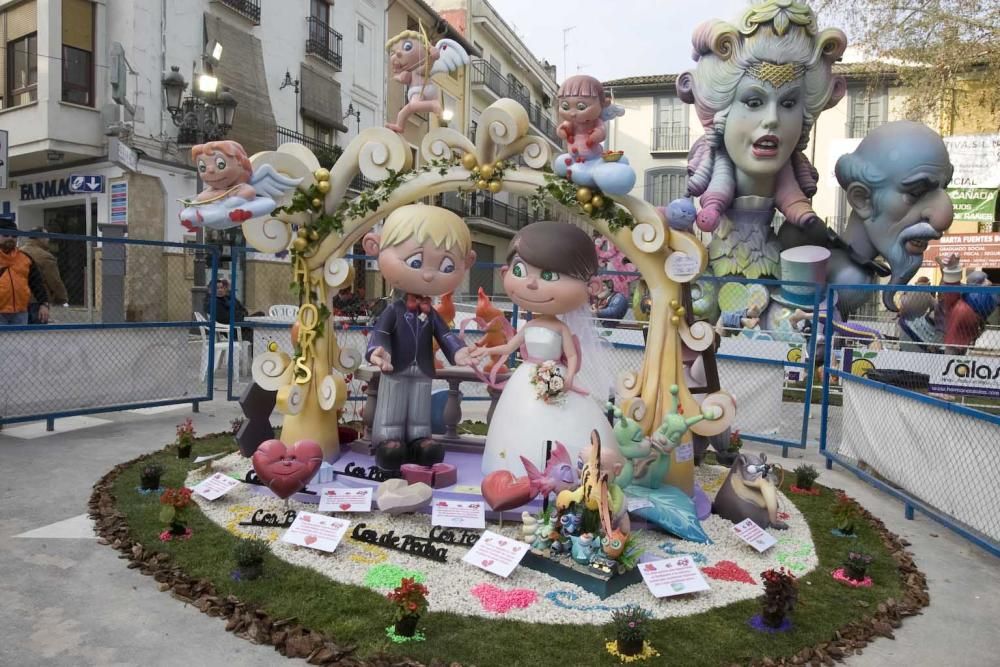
x=19, y=280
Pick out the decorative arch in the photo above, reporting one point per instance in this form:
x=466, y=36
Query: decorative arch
x=311, y=386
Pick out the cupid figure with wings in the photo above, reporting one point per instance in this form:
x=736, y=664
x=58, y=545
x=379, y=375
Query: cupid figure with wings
x=234, y=192
x=414, y=62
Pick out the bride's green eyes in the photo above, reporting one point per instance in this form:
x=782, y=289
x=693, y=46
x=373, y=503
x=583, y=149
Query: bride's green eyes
x=519, y=270
x=550, y=276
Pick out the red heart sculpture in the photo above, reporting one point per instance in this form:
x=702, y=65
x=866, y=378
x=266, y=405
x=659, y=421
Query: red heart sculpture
x=286, y=470
x=503, y=492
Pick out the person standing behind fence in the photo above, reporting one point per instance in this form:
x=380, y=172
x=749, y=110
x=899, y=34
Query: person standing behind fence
x=37, y=248
x=20, y=279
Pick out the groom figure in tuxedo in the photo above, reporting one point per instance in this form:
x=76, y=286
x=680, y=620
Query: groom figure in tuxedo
x=423, y=252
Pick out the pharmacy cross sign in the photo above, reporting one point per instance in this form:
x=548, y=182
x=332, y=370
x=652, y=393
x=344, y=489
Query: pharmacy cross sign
x=81, y=185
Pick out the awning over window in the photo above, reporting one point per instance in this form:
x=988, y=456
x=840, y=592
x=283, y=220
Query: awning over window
x=321, y=98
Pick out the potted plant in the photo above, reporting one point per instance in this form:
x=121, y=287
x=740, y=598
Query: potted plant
x=805, y=475
x=732, y=450
x=781, y=591
x=175, y=504
x=856, y=565
x=630, y=628
x=845, y=513
x=410, y=599
x=249, y=556
x=149, y=477
x=185, y=439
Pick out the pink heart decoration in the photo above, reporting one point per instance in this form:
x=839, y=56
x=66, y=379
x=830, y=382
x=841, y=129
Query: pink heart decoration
x=501, y=601
x=309, y=539
x=727, y=570
x=487, y=563
x=345, y=506
x=287, y=470
x=503, y=492
x=436, y=476
x=650, y=567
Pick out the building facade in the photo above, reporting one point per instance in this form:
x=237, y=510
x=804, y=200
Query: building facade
x=82, y=96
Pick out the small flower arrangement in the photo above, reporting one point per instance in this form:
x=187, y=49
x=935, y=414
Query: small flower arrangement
x=249, y=556
x=805, y=476
x=410, y=599
x=548, y=381
x=185, y=438
x=149, y=477
x=845, y=513
x=856, y=565
x=175, y=504
x=630, y=628
x=781, y=592
x=735, y=442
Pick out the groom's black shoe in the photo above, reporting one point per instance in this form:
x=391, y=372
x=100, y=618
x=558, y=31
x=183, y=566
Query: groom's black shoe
x=390, y=455
x=425, y=452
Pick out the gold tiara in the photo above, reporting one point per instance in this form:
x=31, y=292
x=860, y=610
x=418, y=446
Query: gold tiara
x=775, y=74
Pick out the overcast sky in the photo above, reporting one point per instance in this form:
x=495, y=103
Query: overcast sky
x=613, y=39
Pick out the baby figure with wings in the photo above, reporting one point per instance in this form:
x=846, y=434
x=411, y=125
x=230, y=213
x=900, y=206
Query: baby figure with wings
x=234, y=192
x=414, y=62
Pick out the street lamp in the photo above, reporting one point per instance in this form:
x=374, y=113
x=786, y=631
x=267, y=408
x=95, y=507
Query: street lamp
x=205, y=115
x=351, y=111
x=288, y=81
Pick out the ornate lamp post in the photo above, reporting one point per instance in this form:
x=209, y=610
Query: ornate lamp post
x=205, y=115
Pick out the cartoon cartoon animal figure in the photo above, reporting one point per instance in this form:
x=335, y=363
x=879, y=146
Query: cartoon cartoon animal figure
x=446, y=309
x=491, y=322
x=570, y=523
x=414, y=63
x=667, y=438
x=559, y=473
x=747, y=493
x=583, y=548
x=545, y=534
x=634, y=446
x=234, y=192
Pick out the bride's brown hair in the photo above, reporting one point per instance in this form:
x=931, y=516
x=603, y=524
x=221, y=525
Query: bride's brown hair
x=556, y=246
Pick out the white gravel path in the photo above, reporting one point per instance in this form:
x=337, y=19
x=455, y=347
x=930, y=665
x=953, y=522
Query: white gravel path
x=557, y=601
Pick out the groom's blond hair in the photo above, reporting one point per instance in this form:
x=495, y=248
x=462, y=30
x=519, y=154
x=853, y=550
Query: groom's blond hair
x=421, y=222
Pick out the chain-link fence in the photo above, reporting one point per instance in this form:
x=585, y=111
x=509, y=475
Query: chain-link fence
x=912, y=401
x=117, y=329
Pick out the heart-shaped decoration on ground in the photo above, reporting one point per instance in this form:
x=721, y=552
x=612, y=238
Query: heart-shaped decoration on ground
x=501, y=601
x=395, y=496
x=503, y=492
x=287, y=470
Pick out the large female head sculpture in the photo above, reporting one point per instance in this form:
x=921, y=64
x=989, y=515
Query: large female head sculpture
x=758, y=87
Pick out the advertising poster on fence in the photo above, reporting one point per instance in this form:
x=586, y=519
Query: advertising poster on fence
x=975, y=250
x=938, y=373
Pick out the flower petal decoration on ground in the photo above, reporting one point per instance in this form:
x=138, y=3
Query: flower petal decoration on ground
x=647, y=653
x=840, y=574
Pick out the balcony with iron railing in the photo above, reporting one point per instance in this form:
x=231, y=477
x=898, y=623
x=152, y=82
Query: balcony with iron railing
x=248, y=9
x=481, y=205
x=484, y=75
x=324, y=42
x=327, y=154
x=668, y=139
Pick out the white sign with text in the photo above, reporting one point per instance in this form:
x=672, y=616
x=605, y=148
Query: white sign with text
x=215, y=486
x=496, y=553
x=672, y=576
x=754, y=535
x=458, y=514
x=316, y=531
x=345, y=500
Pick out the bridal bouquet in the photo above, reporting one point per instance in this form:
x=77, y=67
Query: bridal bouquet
x=548, y=381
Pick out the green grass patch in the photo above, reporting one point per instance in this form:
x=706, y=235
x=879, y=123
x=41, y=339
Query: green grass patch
x=355, y=615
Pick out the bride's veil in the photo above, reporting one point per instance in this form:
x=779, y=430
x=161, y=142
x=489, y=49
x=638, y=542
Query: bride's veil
x=596, y=374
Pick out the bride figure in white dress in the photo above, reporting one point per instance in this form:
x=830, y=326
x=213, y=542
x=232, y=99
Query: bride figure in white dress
x=549, y=265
